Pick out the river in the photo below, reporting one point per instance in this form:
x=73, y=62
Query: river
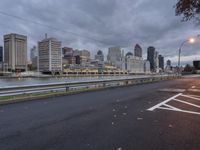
x=30, y=81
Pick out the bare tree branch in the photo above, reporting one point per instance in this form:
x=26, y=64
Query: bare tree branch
x=189, y=9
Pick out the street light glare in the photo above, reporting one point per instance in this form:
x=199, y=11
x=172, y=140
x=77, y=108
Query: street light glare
x=192, y=40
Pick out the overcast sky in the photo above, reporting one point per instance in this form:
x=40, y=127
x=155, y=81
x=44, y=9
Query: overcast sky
x=98, y=24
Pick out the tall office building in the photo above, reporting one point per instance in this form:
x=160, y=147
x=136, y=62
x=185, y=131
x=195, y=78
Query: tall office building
x=136, y=65
x=138, y=50
x=169, y=63
x=50, y=57
x=151, y=57
x=156, y=59
x=15, y=52
x=85, y=57
x=68, y=56
x=1, y=54
x=161, y=62
x=34, y=52
x=115, y=56
x=77, y=54
x=168, y=67
x=34, y=57
x=82, y=57
x=147, y=67
x=99, y=56
x=67, y=51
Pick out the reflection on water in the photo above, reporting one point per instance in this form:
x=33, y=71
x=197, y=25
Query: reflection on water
x=31, y=81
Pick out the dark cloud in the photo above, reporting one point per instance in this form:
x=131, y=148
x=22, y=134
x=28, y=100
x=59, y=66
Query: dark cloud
x=98, y=24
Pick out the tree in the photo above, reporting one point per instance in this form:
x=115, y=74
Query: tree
x=188, y=68
x=189, y=9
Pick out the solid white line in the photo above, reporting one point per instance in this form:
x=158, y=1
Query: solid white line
x=191, y=97
x=166, y=101
x=171, y=107
x=184, y=111
x=194, y=90
x=172, y=90
x=178, y=100
x=167, y=108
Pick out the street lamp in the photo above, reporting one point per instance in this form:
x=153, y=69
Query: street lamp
x=191, y=40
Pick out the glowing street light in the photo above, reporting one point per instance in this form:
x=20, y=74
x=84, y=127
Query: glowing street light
x=191, y=40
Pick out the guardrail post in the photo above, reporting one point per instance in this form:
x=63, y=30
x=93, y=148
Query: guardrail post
x=104, y=84
x=67, y=88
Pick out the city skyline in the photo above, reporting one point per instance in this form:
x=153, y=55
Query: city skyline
x=100, y=28
x=33, y=51
x=100, y=74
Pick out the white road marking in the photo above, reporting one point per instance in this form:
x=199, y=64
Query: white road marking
x=164, y=102
x=164, y=106
x=194, y=90
x=178, y=100
x=191, y=96
x=171, y=107
x=193, y=87
x=184, y=111
x=172, y=90
x=197, y=96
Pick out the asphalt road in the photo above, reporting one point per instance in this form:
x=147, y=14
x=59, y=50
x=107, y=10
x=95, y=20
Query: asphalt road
x=111, y=119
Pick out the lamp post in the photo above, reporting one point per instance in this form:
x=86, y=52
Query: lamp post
x=191, y=41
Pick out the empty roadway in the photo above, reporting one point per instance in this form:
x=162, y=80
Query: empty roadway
x=110, y=119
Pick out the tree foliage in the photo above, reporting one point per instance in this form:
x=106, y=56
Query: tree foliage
x=189, y=9
x=188, y=68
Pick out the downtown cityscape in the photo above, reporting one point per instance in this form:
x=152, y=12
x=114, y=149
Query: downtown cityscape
x=49, y=57
x=100, y=75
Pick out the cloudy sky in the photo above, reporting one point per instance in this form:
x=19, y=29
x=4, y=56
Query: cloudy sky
x=98, y=24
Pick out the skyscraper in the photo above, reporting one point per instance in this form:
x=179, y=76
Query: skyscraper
x=34, y=52
x=15, y=52
x=68, y=56
x=161, y=62
x=138, y=50
x=151, y=57
x=136, y=65
x=156, y=61
x=50, y=57
x=168, y=66
x=115, y=56
x=99, y=56
x=169, y=63
x=85, y=57
x=1, y=54
x=67, y=51
x=34, y=57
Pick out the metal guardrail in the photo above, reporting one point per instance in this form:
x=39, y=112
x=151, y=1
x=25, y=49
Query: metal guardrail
x=64, y=86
